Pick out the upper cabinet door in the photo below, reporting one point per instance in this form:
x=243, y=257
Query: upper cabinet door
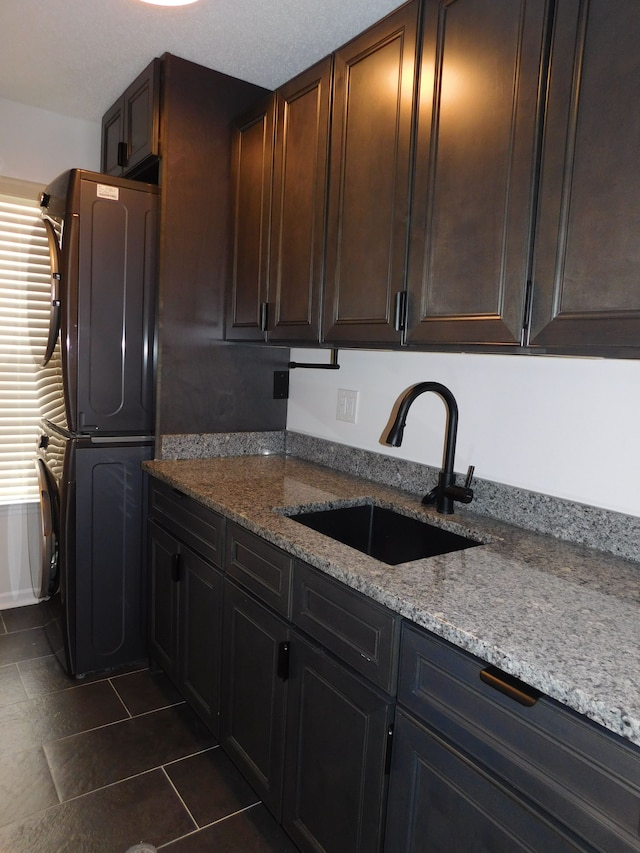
x=586, y=275
x=252, y=167
x=130, y=127
x=298, y=205
x=369, y=180
x=474, y=174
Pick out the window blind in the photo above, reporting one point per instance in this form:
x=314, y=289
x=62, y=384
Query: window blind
x=25, y=284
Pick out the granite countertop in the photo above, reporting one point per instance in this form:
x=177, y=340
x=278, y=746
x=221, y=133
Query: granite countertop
x=563, y=618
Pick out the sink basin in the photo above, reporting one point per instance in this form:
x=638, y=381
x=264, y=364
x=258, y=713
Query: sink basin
x=384, y=534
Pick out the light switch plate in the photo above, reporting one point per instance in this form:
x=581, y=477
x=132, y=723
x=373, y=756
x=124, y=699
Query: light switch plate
x=347, y=409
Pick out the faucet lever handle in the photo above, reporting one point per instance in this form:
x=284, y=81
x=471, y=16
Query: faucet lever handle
x=469, y=477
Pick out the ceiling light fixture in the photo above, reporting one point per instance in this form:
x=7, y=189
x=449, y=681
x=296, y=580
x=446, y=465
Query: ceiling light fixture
x=170, y=2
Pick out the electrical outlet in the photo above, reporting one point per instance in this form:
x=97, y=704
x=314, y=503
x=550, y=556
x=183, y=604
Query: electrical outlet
x=347, y=408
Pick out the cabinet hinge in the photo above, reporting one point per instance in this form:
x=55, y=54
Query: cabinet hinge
x=526, y=319
x=400, y=311
x=283, y=661
x=175, y=568
x=387, y=755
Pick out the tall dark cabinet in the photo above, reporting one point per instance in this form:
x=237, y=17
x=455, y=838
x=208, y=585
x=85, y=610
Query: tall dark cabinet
x=586, y=291
x=370, y=154
x=204, y=385
x=475, y=157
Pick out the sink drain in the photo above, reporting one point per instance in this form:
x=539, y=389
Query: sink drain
x=142, y=848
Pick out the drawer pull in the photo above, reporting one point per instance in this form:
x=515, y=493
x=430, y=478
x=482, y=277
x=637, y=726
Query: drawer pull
x=510, y=686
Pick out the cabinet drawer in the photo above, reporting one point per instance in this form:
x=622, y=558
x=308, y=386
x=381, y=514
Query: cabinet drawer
x=260, y=567
x=356, y=629
x=196, y=525
x=577, y=771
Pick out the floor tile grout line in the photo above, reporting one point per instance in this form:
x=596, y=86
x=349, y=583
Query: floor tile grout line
x=124, y=778
x=80, y=796
x=179, y=796
x=213, y=823
x=112, y=723
x=192, y=755
x=122, y=702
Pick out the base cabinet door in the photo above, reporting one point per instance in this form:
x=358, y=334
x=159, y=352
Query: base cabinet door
x=337, y=737
x=254, y=688
x=441, y=802
x=163, y=592
x=185, y=621
x=199, y=641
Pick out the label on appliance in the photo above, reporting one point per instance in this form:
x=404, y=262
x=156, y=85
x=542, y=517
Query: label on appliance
x=105, y=191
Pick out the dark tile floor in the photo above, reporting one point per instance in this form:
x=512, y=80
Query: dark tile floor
x=105, y=763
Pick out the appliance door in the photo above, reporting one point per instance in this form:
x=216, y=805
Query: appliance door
x=108, y=291
x=44, y=568
x=55, y=310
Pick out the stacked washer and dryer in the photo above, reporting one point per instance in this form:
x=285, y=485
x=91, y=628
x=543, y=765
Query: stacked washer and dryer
x=97, y=397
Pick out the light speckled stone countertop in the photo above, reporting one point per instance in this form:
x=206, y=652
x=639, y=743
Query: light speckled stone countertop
x=563, y=618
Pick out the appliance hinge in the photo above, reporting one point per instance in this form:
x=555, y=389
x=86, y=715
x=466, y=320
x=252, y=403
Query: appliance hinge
x=526, y=319
x=387, y=755
x=282, y=670
x=400, y=311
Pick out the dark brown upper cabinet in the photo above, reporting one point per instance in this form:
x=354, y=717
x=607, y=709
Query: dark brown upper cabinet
x=475, y=161
x=251, y=176
x=586, y=272
x=130, y=128
x=369, y=180
x=280, y=180
x=298, y=205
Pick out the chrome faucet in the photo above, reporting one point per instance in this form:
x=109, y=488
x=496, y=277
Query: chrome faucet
x=446, y=491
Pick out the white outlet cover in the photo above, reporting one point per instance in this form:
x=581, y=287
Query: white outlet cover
x=347, y=408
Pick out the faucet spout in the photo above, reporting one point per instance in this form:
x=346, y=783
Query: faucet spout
x=446, y=491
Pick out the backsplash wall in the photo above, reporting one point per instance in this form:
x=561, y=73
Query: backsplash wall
x=566, y=427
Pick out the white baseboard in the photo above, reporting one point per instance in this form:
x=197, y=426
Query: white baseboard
x=19, y=598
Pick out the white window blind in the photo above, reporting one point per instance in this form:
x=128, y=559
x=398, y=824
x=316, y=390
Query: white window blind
x=25, y=284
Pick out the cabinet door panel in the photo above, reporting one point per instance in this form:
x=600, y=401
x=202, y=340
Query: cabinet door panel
x=163, y=616
x=141, y=104
x=587, y=254
x=474, y=174
x=441, y=802
x=373, y=95
x=253, y=706
x=299, y=197
x=252, y=166
x=335, y=785
x=112, y=136
x=200, y=618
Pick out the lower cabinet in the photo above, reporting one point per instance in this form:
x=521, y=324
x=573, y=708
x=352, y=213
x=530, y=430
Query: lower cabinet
x=254, y=690
x=309, y=731
x=303, y=672
x=483, y=763
x=338, y=730
x=186, y=596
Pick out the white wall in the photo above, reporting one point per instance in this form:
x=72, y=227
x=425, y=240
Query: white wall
x=37, y=145
x=568, y=427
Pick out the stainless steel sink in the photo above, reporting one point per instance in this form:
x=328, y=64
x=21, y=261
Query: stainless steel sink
x=383, y=533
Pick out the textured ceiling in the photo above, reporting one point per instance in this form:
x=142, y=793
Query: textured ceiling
x=76, y=57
